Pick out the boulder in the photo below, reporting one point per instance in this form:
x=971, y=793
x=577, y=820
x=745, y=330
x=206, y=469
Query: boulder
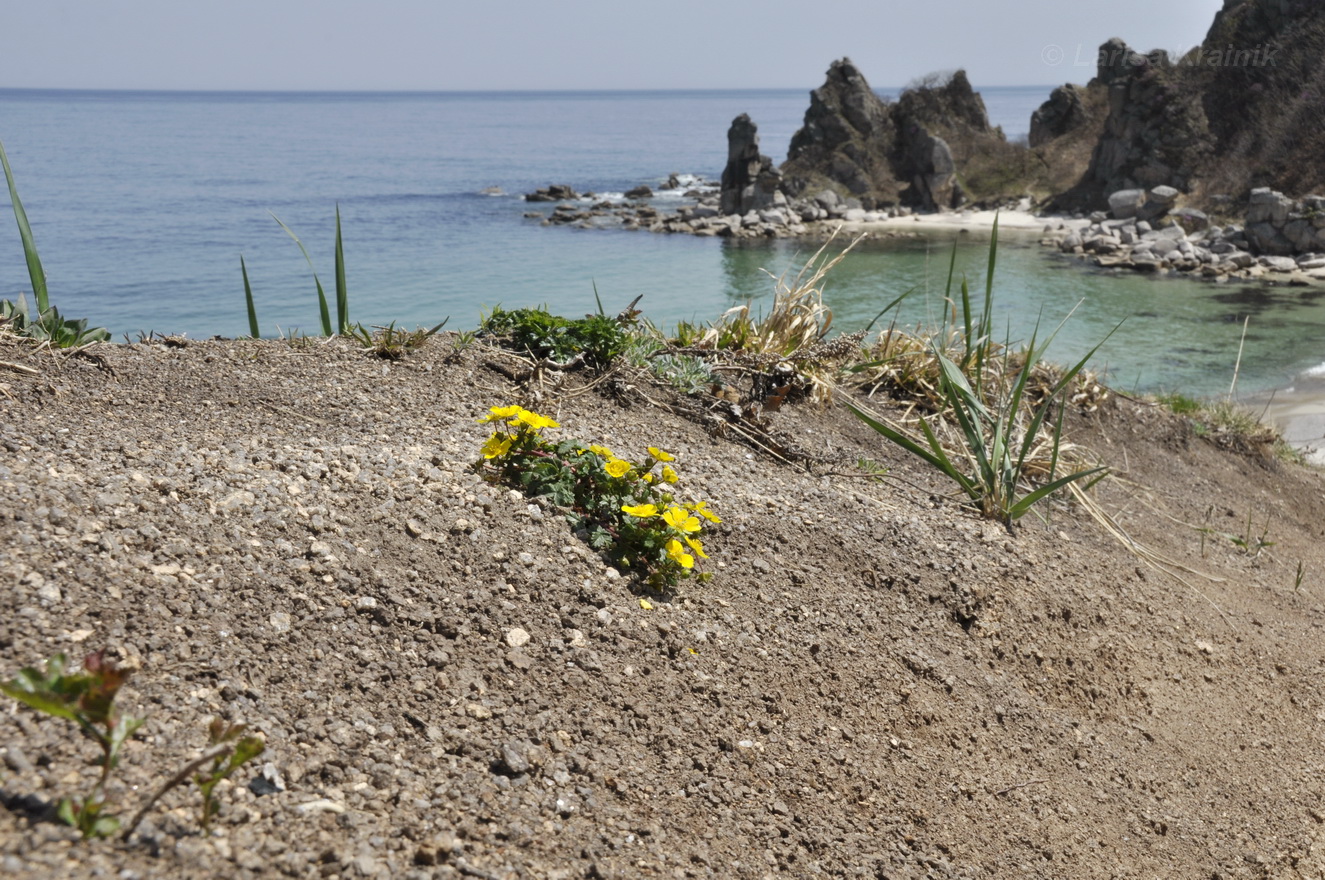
x=643, y=191
x=749, y=179
x=1159, y=201
x=1268, y=206
x=1126, y=203
x=1264, y=238
x=1279, y=264
x=1192, y=220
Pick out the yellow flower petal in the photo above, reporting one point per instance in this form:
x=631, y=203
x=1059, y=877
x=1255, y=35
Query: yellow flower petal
x=533, y=420
x=602, y=450
x=679, y=518
x=669, y=475
x=678, y=555
x=496, y=446
x=500, y=412
x=646, y=604
x=617, y=467
x=701, y=508
x=641, y=510
x=697, y=547
x=660, y=455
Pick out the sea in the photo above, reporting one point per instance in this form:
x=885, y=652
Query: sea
x=143, y=203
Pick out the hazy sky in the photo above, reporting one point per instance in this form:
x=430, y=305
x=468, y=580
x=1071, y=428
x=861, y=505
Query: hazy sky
x=567, y=44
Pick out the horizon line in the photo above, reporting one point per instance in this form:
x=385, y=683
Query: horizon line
x=507, y=91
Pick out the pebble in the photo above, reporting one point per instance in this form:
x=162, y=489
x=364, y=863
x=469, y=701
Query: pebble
x=517, y=637
x=280, y=621
x=322, y=805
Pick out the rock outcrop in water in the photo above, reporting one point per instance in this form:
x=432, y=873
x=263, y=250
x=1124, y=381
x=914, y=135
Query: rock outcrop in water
x=912, y=152
x=750, y=181
x=846, y=142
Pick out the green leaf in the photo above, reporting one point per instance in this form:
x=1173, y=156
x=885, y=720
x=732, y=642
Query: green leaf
x=248, y=302
x=35, y=272
x=342, y=292
x=321, y=295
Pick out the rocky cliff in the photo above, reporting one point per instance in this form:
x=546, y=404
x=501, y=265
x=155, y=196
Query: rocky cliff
x=914, y=152
x=846, y=142
x=1245, y=109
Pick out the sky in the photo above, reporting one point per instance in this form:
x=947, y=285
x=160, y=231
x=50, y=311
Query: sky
x=568, y=44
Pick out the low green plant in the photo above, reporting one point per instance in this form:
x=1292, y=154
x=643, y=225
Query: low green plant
x=463, y=340
x=45, y=323
x=623, y=509
x=87, y=698
x=48, y=325
x=1180, y=403
x=232, y=748
x=1002, y=439
x=597, y=338
x=391, y=344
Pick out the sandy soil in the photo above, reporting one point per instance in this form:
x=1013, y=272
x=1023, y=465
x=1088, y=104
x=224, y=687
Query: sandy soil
x=876, y=683
x=970, y=221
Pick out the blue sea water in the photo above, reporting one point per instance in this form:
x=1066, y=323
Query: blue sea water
x=142, y=203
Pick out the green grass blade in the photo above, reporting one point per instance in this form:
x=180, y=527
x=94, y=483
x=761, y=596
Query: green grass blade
x=248, y=301
x=934, y=456
x=321, y=295
x=888, y=308
x=596, y=299
x=1024, y=504
x=342, y=292
x=35, y=273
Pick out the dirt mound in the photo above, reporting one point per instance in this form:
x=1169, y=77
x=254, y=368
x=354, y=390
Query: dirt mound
x=876, y=683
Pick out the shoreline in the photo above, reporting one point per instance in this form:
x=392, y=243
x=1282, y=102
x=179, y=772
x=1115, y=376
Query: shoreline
x=1298, y=412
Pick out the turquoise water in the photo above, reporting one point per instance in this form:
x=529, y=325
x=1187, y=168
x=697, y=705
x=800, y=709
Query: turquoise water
x=143, y=202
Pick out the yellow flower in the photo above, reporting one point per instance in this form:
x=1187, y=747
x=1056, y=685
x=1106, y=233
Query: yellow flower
x=678, y=518
x=501, y=412
x=641, y=510
x=646, y=604
x=534, y=420
x=602, y=450
x=617, y=467
x=660, y=455
x=700, y=507
x=649, y=478
x=669, y=475
x=695, y=545
x=678, y=554
x=496, y=446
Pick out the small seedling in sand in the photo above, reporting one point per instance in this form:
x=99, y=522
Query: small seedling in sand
x=389, y=343
x=241, y=749
x=86, y=698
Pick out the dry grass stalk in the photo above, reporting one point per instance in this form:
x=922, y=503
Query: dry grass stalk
x=798, y=319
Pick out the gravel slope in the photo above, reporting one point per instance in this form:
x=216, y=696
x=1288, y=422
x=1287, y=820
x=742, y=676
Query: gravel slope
x=876, y=683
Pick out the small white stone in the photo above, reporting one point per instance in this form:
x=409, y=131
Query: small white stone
x=517, y=638
x=322, y=805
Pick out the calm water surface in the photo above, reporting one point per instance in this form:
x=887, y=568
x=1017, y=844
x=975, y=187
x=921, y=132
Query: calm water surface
x=142, y=204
